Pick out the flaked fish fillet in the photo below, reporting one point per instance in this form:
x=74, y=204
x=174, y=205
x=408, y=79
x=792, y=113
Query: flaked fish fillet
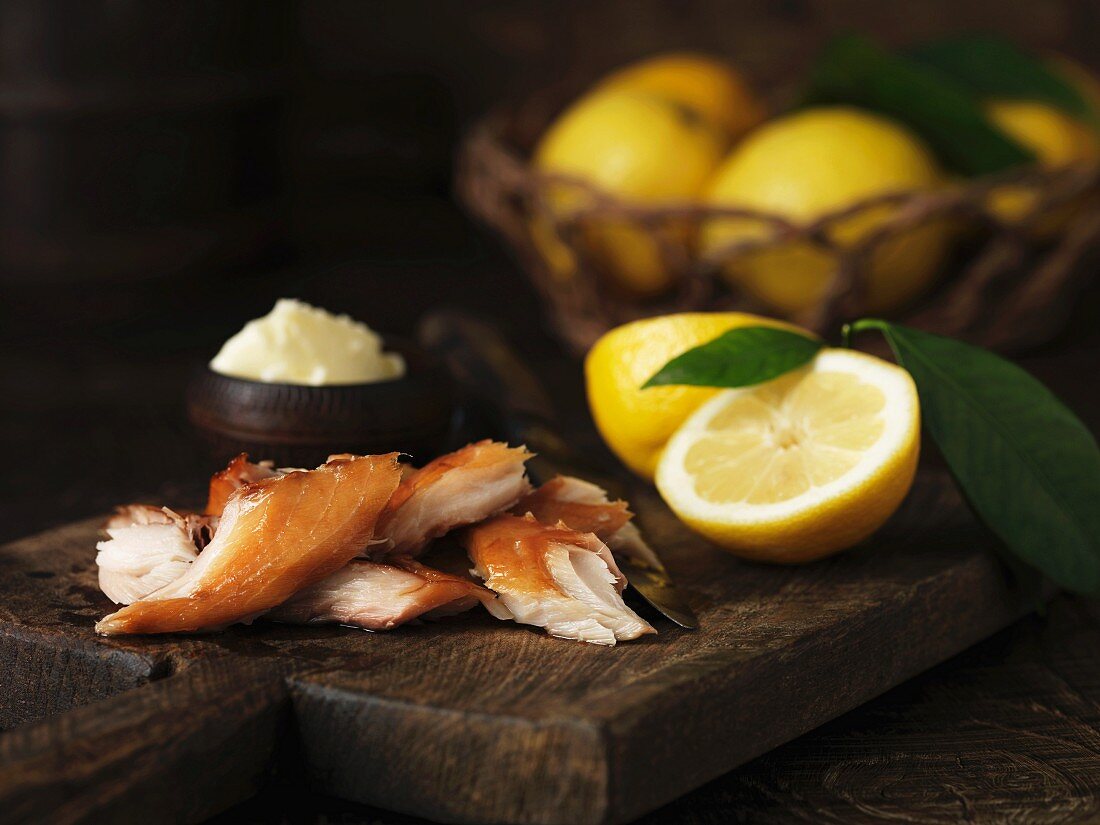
x=146, y=549
x=580, y=505
x=454, y=490
x=199, y=527
x=276, y=536
x=240, y=472
x=376, y=596
x=585, y=507
x=552, y=577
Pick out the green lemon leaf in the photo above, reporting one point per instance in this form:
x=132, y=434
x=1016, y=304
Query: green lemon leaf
x=992, y=67
x=854, y=70
x=1029, y=467
x=738, y=358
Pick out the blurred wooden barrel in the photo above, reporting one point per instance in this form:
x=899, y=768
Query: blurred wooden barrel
x=138, y=138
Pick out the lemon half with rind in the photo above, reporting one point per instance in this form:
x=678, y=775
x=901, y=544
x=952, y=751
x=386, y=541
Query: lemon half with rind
x=635, y=422
x=799, y=467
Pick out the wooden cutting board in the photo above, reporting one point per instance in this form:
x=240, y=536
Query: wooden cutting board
x=470, y=719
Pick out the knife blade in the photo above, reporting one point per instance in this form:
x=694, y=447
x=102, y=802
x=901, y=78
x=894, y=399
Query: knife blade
x=507, y=396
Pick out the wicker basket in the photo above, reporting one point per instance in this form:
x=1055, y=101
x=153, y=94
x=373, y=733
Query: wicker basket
x=1004, y=288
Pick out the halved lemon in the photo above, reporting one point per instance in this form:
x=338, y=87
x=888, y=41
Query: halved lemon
x=799, y=467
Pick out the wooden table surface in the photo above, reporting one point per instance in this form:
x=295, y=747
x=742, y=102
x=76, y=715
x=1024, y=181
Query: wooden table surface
x=1007, y=731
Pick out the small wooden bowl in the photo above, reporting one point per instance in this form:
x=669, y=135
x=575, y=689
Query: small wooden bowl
x=300, y=426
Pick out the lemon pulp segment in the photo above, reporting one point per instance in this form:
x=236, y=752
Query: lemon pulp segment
x=798, y=467
x=777, y=444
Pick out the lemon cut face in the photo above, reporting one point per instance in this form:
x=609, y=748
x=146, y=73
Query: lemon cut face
x=801, y=466
x=634, y=422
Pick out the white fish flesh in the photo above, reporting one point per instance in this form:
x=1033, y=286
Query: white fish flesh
x=377, y=596
x=555, y=578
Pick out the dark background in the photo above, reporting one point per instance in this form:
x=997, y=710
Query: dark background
x=168, y=169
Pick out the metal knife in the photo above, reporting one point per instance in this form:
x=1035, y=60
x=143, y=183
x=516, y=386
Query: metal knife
x=506, y=396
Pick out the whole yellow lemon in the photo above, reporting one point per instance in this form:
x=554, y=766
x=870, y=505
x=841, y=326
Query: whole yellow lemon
x=1057, y=139
x=812, y=163
x=710, y=87
x=640, y=149
x=636, y=423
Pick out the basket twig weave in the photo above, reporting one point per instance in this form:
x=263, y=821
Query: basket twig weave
x=1010, y=288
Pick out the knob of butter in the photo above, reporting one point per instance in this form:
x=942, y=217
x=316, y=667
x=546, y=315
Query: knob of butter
x=297, y=343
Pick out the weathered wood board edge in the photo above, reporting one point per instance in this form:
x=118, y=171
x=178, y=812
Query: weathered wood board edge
x=180, y=749
x=652, y=746
x=602, y=761
x=834, y=674
x=353, y=748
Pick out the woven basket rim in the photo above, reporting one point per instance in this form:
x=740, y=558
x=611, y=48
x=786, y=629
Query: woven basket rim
x=491, y=128
x=495, y=174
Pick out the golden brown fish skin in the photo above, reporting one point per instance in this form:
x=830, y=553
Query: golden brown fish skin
x=552, y=503
x=513, y=549
x=277, y=536
x=237, y=474
x=584, y=506
x=488, y=477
